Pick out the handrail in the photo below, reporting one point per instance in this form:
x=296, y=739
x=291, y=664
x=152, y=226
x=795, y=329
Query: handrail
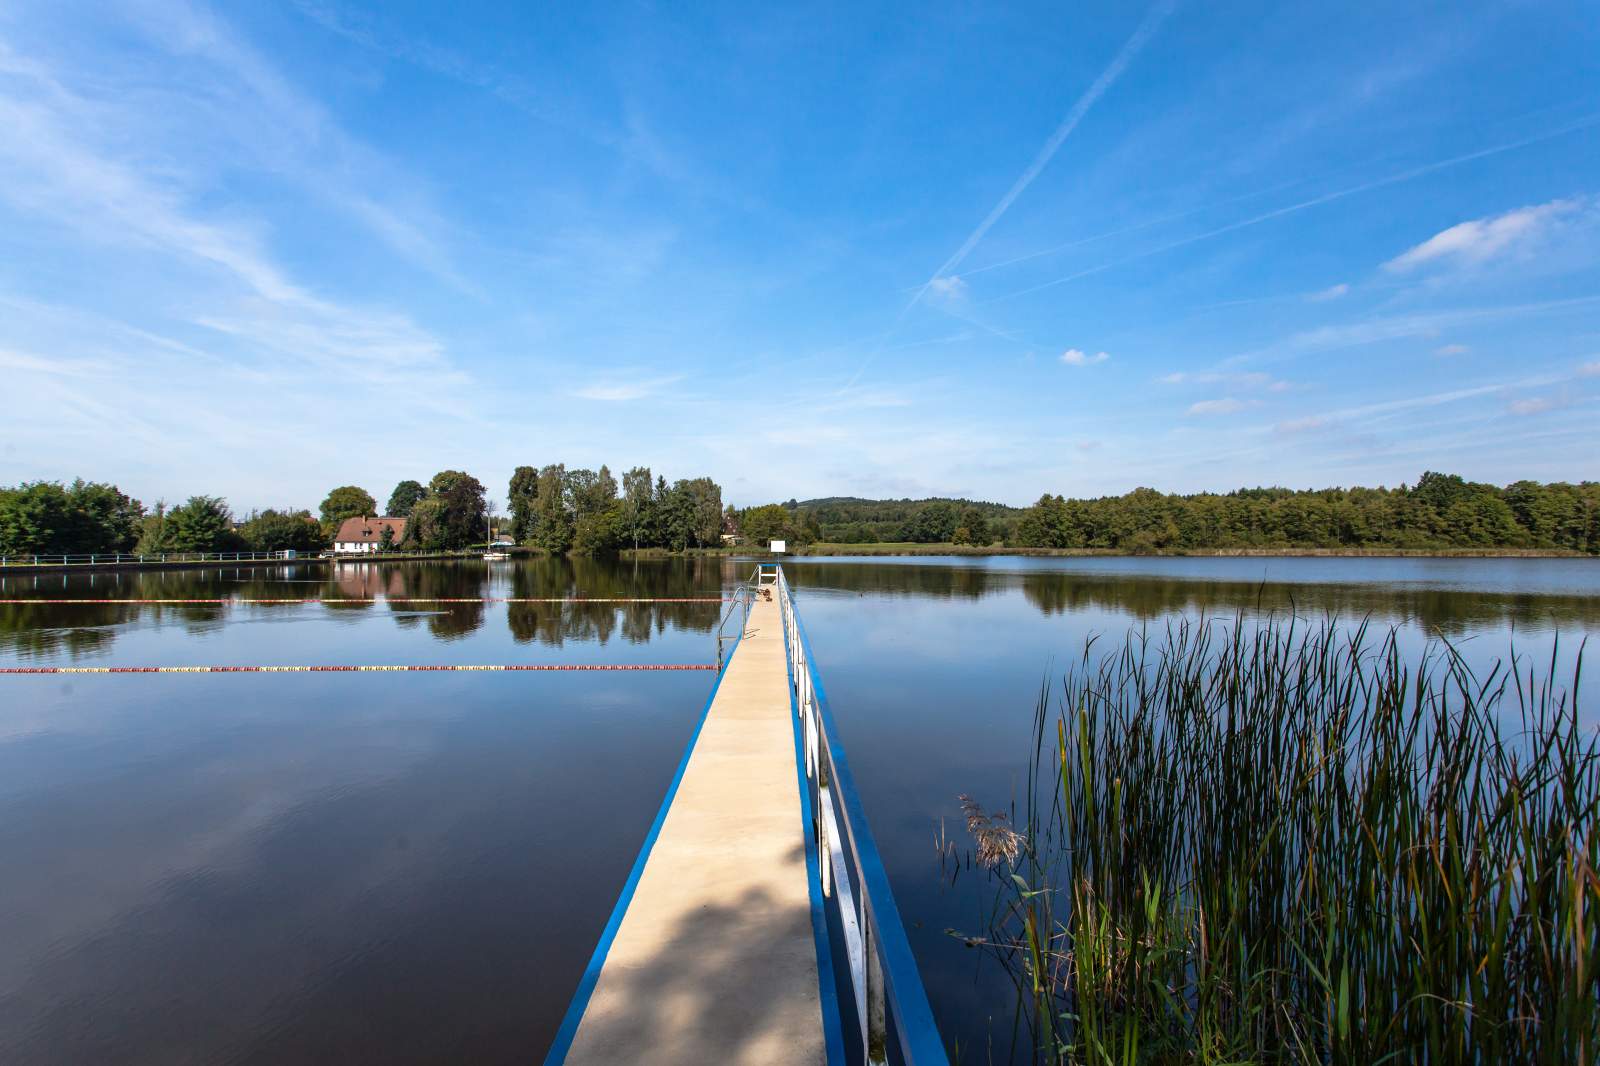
x=742, y=596
x=883, y=972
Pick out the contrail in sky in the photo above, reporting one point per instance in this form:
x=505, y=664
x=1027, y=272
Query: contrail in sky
x=1132, y=228
x=1152, y=22
x=1147, y=28
x=1366, y=186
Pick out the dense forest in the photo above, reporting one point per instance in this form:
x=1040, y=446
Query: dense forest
x=852, y=520
x=587, y=512
x=1441, y=511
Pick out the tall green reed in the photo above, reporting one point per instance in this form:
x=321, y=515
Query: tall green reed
x=1266, y=842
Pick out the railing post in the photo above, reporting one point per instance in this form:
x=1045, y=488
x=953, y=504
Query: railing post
x=824, y=854
x=853, y=881
x=875, y=1029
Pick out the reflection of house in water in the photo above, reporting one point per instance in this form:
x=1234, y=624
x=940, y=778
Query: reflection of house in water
x=367, y=581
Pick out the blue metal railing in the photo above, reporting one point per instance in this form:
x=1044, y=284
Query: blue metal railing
x=884, y=981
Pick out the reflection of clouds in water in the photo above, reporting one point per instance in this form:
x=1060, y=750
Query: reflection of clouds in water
x=93, y=859
x=266, y=878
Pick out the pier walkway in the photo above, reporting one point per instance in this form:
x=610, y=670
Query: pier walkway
x=715, y=960
x=718, y=950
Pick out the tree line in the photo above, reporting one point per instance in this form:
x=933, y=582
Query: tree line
x=579, y=511
x=1441, y=511
x=87, y=517
x=850, y=520
x=588, y=512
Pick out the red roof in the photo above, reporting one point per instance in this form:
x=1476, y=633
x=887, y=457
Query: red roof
x=366, y=530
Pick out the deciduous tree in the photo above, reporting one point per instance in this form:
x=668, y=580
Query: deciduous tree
x=346, y=501
x=522, y=498
x=404, y=497
x=553, y=526
x=273, y=531
x=637, y=500
x=460, y=518
x=201, y=524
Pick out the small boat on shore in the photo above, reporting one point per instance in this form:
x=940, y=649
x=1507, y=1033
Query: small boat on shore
x=494, y=550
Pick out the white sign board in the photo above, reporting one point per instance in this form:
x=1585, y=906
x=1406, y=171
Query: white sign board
x=780, y=546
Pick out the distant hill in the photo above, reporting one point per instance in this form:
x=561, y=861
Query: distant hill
x=856, y=520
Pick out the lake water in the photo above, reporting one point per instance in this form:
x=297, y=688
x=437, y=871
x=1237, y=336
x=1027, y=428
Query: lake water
x=414, y=868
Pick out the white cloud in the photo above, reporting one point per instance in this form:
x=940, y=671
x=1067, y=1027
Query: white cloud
x=613, y=390
x=1078, y=357
x=1590, y=369
x=1302, y=425
x=1477, y=241
x=223, y=351
x=1332, y=292
x=1536, y=406
x=1245, y=380
x=1225, y=406
x=1451, y=349
x=948, y=290
x=1430, y=324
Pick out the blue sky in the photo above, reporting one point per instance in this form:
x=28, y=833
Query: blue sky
x=258, y=250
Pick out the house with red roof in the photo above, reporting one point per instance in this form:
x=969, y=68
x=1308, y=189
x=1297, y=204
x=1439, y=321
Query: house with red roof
x=364, y=534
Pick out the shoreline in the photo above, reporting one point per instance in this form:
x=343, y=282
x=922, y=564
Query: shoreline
x=889, y=551
x=823, y=551
x=24, y=569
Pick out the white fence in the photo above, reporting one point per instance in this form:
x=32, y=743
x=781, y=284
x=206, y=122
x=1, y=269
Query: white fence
x=119, y=559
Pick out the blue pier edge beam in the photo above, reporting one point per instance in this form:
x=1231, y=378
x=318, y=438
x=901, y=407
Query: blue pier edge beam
x=886, y=953
x=827, y=980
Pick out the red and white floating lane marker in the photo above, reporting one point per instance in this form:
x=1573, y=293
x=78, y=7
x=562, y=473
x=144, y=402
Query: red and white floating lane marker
x=452, y=668
x=226, y=601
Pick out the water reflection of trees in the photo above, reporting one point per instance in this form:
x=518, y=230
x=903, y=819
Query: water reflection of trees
x=45, y=629
x=1450, y=611
x=555, y=623
x=36, y=630
x=1149, y=596
x=42, y=629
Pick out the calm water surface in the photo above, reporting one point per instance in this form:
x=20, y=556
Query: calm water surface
x=414, y=868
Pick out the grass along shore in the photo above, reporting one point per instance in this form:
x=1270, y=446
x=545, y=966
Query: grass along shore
x=1288, y=844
